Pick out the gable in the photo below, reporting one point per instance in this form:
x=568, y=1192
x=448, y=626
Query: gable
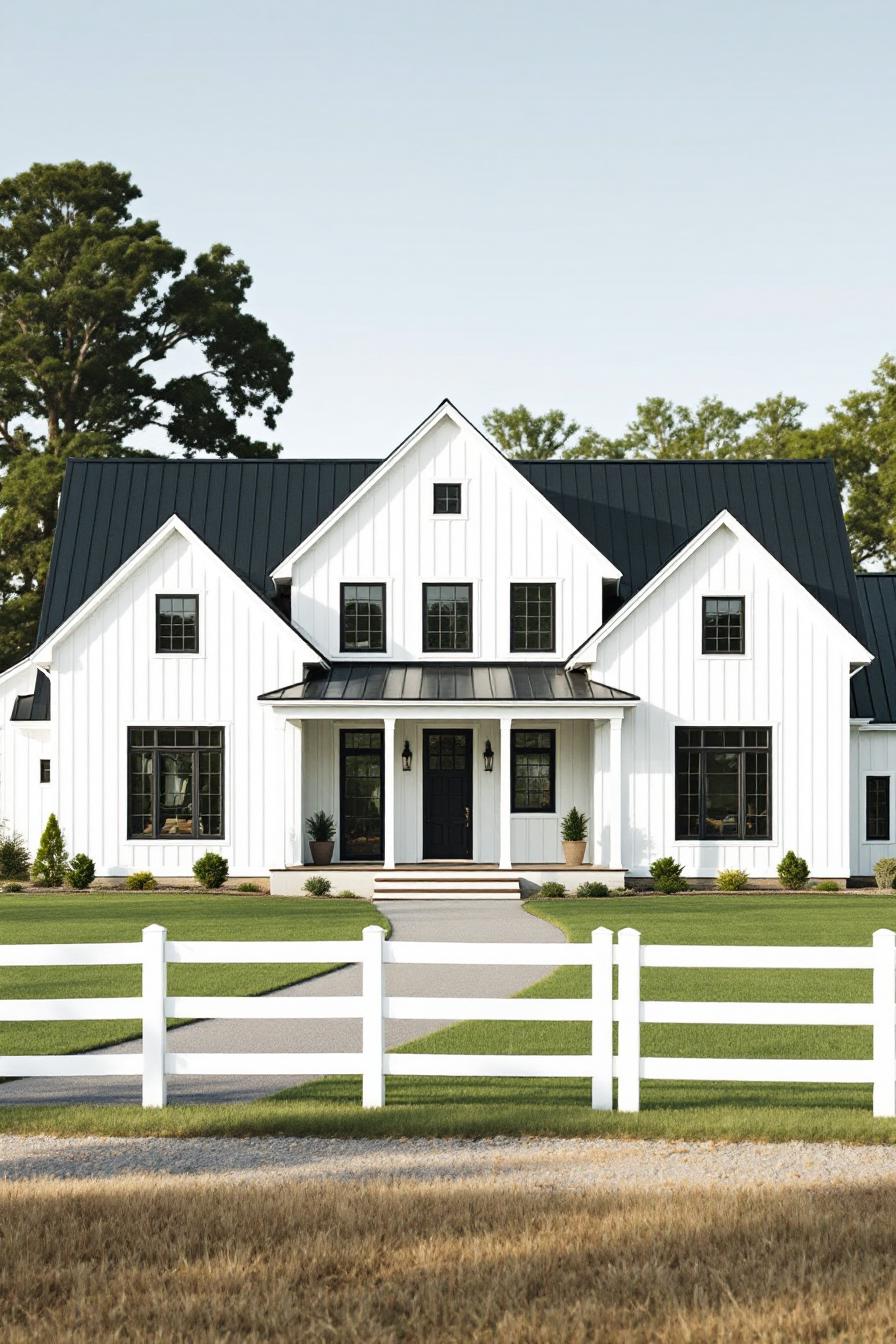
x=641, y=513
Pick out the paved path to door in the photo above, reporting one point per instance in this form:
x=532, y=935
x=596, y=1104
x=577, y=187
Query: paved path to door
x=421, y=921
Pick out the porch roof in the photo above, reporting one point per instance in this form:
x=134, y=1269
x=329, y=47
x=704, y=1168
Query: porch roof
x=447, y=681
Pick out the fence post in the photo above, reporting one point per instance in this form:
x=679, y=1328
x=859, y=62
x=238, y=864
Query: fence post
x=155, y=989
x=629, y=1089
x=373, y=1082
x=601, y=1019
x=884, y=996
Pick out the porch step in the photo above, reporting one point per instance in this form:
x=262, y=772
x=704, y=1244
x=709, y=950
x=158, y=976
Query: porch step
x=453, y=884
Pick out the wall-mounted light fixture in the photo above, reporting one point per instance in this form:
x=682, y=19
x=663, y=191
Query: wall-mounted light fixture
x=488, y=756
x=406, y=756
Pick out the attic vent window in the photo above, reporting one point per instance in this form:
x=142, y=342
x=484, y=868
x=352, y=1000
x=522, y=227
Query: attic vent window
x=177, y=624
x=446, y=498
x=723, y=625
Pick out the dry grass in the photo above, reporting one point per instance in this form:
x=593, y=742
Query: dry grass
x=202, y=1261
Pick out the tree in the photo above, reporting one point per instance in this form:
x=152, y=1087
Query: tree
x=51, y=860
x=521, y=434
x=94, y=301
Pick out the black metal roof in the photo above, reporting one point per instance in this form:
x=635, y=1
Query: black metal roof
x=447, y=681
x=35, y=707
x=638, y=514
x=251, y=514
x=873, y=689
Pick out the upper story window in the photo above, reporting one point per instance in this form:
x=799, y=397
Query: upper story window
x=176, y=783
x=177, y=623
x=723, y=625
x=446, y=497
x=363, y=618
x=723, y=783
x=532, y=617
x=447, y=617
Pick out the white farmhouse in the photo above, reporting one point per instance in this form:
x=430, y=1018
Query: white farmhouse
x=447, y=651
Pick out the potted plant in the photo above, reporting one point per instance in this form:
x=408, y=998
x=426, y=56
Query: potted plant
x=321, y=830
x=574, y=833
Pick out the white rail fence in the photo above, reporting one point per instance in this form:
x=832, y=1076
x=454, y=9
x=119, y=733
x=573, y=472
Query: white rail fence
x=156, y=1063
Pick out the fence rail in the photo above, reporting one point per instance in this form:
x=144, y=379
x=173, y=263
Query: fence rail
x=373, y=1007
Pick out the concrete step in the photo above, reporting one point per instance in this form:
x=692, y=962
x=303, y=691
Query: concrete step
x=456, y=884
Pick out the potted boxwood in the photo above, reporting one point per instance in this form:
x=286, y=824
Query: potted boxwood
x=321, y=830
x=574, y=833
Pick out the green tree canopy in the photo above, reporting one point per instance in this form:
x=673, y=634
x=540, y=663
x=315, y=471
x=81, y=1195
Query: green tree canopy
x=94, y=305
x=521, y=434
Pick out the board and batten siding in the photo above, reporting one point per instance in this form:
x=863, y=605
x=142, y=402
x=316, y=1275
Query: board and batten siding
x=507, y=532
x=107, y=677
x=872, y=752
x=25, y=803
x=793, y=678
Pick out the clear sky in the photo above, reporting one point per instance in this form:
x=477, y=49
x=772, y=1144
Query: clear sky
x=567, y=204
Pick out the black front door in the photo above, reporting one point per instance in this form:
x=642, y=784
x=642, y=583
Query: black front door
x=448, y=794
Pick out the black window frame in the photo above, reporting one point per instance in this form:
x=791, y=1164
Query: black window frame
x=380, y=753
x=550, y=751
x=176, y=597
x=455, y=648
x=886, y=780
x=705, y=634
x=516, y=647
x=447, y=498
x=344, y=646
x=45, y=770
x=743, y=749
x=157, y=749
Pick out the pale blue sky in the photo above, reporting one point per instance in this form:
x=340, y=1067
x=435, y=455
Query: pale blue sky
x=570, y=204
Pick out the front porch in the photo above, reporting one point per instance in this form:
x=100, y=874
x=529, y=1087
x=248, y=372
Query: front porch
x=431, y=879
x=438, y=786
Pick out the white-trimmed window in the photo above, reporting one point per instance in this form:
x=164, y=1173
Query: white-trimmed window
x=878, y=808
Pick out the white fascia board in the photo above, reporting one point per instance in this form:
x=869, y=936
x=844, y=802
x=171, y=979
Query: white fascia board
x=425, y=710
x=444, y=411
x=30, y=660
x=43, y=655
x=585, y=653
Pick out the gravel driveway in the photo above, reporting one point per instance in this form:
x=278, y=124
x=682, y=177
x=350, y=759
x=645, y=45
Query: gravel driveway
x=560, y=1164
x=419, y=921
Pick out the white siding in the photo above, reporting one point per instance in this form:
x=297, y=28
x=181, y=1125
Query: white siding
x=872, y=752
x=25, y=803
x=507, y=532
x=793, y=678
x=108, y=677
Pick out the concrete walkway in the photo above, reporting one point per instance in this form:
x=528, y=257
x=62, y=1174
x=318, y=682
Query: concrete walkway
x=420, y=921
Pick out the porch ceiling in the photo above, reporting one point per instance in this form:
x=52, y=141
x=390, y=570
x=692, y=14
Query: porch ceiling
x=432, y=681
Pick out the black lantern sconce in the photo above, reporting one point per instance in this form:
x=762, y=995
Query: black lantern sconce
x=406, y=756
x=488, y=757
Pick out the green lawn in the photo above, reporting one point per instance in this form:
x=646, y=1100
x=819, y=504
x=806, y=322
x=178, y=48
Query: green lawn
x=102, y=917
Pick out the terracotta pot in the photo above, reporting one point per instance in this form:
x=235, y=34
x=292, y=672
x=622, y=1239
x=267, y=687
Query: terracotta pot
x=574, y=852
x=321, y=851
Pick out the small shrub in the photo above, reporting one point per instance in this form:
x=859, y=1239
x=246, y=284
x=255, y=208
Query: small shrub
x=574, y=825
x=320, y=826
x=827, y=885
x=552, y=891
x=732, y=879
x=51, y=860
x=885, y=874
x=793, y=872
x=11, y=887
x=619, y=891
x=666, y=874
x=248, y=886
x=318, y=886
x=15, y=861
x=81, y=872
x=211, y=870
x=592, y=890
x=346, y=895
x=142, y=880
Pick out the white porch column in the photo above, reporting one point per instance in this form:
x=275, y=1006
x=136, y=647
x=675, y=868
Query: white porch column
x=597, y=794
x=504, y=848
x=298, y=797
x=614, y=792
x=389, y=793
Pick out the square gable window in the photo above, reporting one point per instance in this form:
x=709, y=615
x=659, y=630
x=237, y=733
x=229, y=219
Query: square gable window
x=446, y=498
x=177, y=623
x=723, y=625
